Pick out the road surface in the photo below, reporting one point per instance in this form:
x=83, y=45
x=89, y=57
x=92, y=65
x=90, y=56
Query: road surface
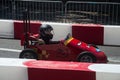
x=10, y=48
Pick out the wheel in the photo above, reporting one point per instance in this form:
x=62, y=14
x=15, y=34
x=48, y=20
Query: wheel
x=28, y=54
x=86, y=57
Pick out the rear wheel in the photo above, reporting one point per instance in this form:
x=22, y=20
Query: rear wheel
x=28, y=54
x=86, y=57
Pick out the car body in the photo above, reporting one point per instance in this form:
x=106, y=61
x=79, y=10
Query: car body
x=70, y=49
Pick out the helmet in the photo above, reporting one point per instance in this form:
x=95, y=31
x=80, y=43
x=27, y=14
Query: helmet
x=45, y=32
x=45, y=27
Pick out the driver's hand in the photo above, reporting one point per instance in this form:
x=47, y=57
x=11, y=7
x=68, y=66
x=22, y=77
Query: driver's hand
x=68, y=36
x=40, y=41
x=62, y=41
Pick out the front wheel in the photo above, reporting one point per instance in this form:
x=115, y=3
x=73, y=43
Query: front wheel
x=86, y=57
x=28, y=54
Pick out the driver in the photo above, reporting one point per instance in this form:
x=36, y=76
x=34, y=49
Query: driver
x=46, y=35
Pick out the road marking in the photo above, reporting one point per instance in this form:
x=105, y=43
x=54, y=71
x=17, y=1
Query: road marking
x=114, y=59
x=12, y=50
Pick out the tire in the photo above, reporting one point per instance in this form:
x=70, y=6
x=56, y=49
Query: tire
x=28, y=54
x=86, y=57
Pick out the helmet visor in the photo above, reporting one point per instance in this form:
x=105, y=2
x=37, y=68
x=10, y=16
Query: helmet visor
x=49, y=31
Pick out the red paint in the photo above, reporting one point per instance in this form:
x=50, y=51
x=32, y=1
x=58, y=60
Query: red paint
x=77, y=45
x=19, y=28
x=55, y=70
x=89, y=33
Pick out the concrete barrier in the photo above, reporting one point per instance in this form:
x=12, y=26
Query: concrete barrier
x=13, y=69
x=25, y=69
x=89, y=33
x=111, y=35
x=106, y=71
x=60, y=30
x=6, y=29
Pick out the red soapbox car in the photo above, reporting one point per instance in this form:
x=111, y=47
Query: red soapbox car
x=70, y=49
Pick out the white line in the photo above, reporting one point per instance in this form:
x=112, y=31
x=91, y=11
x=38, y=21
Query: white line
x=118, y=61
x=112, y=59
x=12, y=50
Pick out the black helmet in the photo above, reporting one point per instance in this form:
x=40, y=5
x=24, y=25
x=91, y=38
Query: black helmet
x=44, y=28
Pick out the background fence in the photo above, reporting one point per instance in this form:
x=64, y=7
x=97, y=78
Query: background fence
x=93, y=12
x=56, y=11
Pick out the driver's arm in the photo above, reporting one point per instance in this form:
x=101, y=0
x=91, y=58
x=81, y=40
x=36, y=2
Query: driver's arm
x=40, y=41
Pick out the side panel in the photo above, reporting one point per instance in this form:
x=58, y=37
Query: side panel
x=89, y=33
x=19, y=28
x=53, y=70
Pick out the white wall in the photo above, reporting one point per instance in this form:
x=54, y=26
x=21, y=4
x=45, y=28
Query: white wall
x=13, y=69
x=61, y=29
x=111, y=35
x=6, y=28
x=106, y=71
x=111, y=32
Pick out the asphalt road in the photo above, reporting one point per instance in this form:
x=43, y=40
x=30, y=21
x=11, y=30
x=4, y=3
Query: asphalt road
x=10, y=48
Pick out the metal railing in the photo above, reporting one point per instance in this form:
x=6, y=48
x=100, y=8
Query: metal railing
x=93, y=12
x=44, y=10
x=57, y=11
